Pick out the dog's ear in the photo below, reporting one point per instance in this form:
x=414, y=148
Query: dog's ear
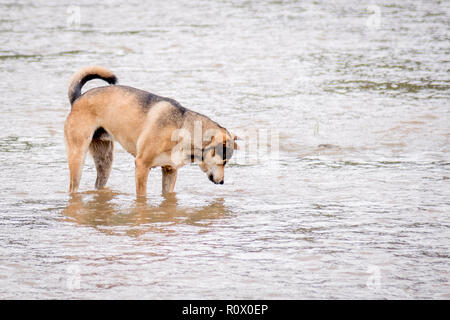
x=235, y=137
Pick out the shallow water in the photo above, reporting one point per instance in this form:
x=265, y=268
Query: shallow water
x=355, y=204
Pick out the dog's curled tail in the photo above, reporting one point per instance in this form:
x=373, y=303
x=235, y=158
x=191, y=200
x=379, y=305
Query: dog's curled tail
x=84, y=75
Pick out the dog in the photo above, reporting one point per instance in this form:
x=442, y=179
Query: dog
x=156, y=130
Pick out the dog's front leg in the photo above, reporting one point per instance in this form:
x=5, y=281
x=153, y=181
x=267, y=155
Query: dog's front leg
x=141, y=176
x=169, y=177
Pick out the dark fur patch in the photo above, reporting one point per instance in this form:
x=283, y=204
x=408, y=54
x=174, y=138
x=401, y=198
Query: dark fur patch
x=176, y=104
x=147, y=99
x=99, y=133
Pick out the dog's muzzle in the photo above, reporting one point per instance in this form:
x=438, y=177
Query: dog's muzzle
x=211, y=178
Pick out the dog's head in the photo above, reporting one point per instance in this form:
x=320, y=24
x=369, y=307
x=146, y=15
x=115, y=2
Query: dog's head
x=217, y=150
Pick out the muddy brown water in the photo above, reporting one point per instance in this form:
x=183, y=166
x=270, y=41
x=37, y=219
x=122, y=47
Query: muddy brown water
x=354, y=205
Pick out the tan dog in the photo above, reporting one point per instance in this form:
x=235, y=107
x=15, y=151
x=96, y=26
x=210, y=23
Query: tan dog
x=157, y=131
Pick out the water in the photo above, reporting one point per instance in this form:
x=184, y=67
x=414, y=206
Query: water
x=356, y=205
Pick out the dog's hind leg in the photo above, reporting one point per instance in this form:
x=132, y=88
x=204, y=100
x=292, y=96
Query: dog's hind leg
x=102, y=152
x=76, y=161
x=169, y=177
x=75, y=156
x=78, y=135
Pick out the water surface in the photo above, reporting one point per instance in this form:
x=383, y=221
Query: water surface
x=355, y=206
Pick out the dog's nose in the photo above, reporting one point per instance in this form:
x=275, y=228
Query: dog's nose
x=221, y=182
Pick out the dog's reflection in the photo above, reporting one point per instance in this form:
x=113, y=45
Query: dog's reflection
x=101, y=209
